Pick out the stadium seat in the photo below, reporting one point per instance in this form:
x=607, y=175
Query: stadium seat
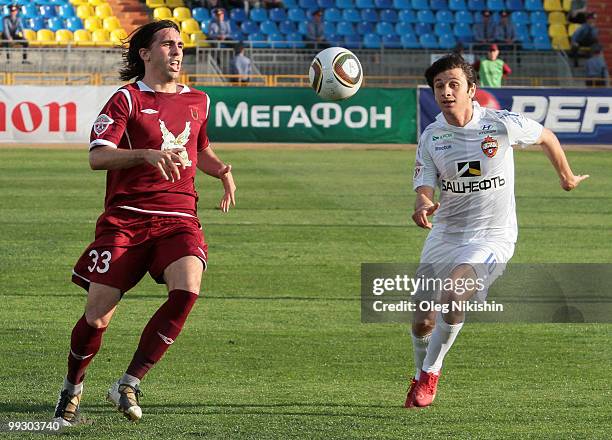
x=445, y=17
x=295, y=40
x=190, y=26
x=73, y=24
x=552, y=5
x=287, y=27
x=118, y=36
x=296, y=14
x=47, y=11
x=203, y=14
x=277, y=41
x=520, y=17
x=560, y=43
x=45, y=37
x=101, y=37
x=268, y=27
x=29, y=35
x=84, y=11
x=438, y=5
x=388, y=15
x=152, y=4
x=332, y=15
x=477, y=5
x=407, y=16
x=29, y=10
x=391, y=41
x=258, y=40
x=326, y=4
x=66, y=11
x=308, y=4
x=364, y=4
x=259, y=15
x=402, y=4
x=572, y=28
x=409, y=41
x=351, y=15
x=447, y=41
x=249, y=27
x=303, y=27
x=557, y=30
x=463, y=32
x=198, y=39
x=111, y=23
x=428, y=41
x=370, y=15
x=442, y=29
x=104, y=10
x=334, y=39
x=541, y=42
x=457, y=5
x=557, y=17
x=92, y=23
x=385, y=28
x=63, y=37
x=514, y=5
x=352, y=41
x=345, y=28
x=171, y=4
x=345, y=4
x=162, y=13
x=538, y=17
x=277, y=14
x=464, y=17
x=290, y=4
x=422, y=28
x=383, y=4
x=372, y=41
x=364, y=27
x=82, y=38
x=237, y=35
x=55, y=24
x=538, y=29
x=420, y=5
x=533, y=5
x=95, y=3
x=426, y=17
x=567, y=5
x=187, y=44
x=35, y=23
x=496, y=5
x=402, y=28
x=181, y=13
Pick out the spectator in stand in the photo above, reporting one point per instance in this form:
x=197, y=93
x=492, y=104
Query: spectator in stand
x=484, y=32
x=241, y=65
x=506, y=32
x=596, y=69
x=219, y=29
x=316, y=31
x=585, y=36
x=13, y=32
x=270, y=4
x=578, y=12
x=492, y=69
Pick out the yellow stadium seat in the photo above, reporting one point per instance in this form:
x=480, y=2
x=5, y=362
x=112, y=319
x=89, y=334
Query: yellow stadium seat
x=82, y=37
x=45, y=37
x=155, y=4
x=557, y=18
x=104, y=10
x=95, y=3
x=552, y=5
x=63, y=37
x=191, y=26
x=111, y=23
x=557, y=30
x=92, y=23
x=186, y=40
x=162, y=13
x=199, y=39
x=560, y=43
x=175, y=3
x=572, y=28
x=29, y=35
x=567, y=5
x=84, y=11
x=181, y=13
x=79, y=2
x=101, y=37
x=118, y=36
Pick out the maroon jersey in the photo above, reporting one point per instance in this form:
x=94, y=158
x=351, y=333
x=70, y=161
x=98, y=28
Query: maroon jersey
x=136, y=117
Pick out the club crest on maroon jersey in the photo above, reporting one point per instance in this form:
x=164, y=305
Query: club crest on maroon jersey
x=489, y=146
x=101, y=124
x=194, y=112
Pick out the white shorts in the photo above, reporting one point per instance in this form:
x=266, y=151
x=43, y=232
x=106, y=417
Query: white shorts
x=488, y=258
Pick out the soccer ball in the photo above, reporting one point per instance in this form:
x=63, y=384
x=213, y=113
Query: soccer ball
x=335, y=74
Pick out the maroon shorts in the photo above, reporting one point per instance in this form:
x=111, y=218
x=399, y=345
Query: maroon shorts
x=129, y=244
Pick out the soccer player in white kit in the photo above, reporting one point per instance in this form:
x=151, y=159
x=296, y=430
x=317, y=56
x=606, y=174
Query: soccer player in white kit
x=467, y=154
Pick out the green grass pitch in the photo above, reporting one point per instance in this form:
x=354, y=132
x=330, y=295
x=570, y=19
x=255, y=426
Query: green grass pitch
x=275, y=348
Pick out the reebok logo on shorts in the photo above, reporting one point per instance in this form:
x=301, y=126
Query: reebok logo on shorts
x=469, y=169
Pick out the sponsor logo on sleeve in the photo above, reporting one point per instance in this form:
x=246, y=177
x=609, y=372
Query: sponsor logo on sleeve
x=101, y=124
x=489, y=146
x=418, y=168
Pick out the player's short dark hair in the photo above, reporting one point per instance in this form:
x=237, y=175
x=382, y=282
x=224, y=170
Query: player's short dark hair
x=449, y=62
x=133, y=65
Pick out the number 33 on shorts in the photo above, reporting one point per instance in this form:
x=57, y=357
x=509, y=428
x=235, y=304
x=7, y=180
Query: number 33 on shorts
x=100, y=262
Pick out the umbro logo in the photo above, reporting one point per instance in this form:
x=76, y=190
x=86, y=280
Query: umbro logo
x=148, y=111
x=166, y=339
x=79, y=357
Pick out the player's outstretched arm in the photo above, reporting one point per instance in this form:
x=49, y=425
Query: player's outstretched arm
x=210, y=164
x=166, y=161
x=424, y=206
x=556, y=155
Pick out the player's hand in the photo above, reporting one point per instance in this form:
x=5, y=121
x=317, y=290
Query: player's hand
x=230, y=188
x=572, y=182
x=167, y=162
x=420, y=215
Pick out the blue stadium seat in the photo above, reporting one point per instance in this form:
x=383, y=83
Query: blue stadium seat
x=352, y=41
x=35, y=23
x=520, y=17
x=364, y=4
x=441, y=29
x=29, y=11
x=326, y=4
x=464, y=17
x=496, y=5
x=345, y=4
x=447, y=41
x=277, y=41
x=428, y=41
x=445, y=17
x=463, y=32
x=259, y=15
x=203, y=14
x=237, y=36
x=287, y=27
x=402, y=4
x=391, y=41
x=407, y=16
x=542, y=42
x=388, y=15
x=369, y=15
x=522, y=32
x=47, y=11
x=334, y=39
x=289, y=4
x=329, y=28
x=457, y=5
x=409, y=41
x=296, y=14
x=420, y=5
x=303, y=27
x=65, y=11
x=477, y=5
x=438, y=5
x=268, y=27
x=372, y=41
x=538, y=29
x=538, y=17
x=296, y=40
x=308, y=4
x=345, y=28
x=257, y=39
x=332, y=15
x=383, y=4
x=422, y=28
x=403, y=28
x=533, y=5
x=351, y=15
x=365, y=27
x=514, y=5
x=277, y=14
x=55, y=23
x=385, y=28
x=204, y=26
x=249, y=27
x=73, y=23
x=426, y=17
x=237, y=14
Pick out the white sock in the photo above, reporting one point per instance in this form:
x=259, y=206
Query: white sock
x=442, y=339
x=128, y=379
x=72, y=388
x=419, y=348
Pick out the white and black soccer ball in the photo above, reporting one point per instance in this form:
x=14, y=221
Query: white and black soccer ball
x=335, y=74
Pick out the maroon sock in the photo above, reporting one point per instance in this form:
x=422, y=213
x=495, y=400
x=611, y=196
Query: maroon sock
x=84, y=344
x=161, y=331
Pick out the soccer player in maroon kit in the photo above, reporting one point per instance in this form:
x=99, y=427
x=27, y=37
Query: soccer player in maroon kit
x=150, y=137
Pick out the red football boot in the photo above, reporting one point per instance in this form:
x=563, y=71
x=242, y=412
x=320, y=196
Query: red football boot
x=425, y=390
x=410, y=396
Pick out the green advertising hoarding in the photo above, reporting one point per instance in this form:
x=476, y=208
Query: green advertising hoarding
x=292, y=114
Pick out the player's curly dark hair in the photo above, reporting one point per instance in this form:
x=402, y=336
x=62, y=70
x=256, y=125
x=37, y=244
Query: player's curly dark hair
x=133, y=65
x=450, y=62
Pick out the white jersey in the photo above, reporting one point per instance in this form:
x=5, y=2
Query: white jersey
x=473, y=168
